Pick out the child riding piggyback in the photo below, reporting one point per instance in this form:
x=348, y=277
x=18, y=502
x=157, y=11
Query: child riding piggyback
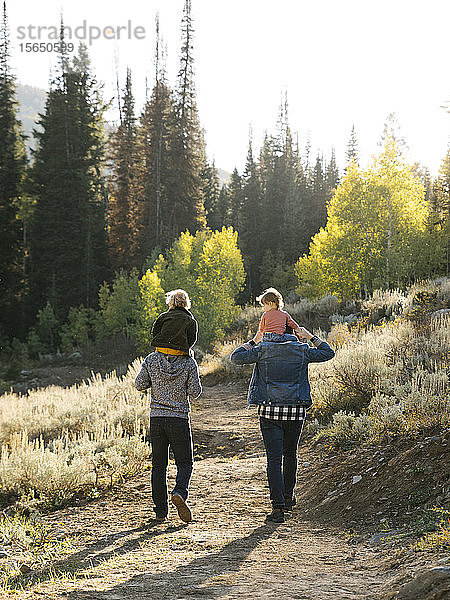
x=275, y=319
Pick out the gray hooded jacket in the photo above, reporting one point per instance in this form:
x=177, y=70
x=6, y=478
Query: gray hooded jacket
x=173, y=380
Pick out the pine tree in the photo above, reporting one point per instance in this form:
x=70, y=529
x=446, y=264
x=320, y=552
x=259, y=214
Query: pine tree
x=270, y=198
x=211, y=194
x=124, y=182
x=331, y=175
x=12, y=169
x=250, y=236
x=318, y=214
x=284, y=227
x=352, y=153
x=392, y=131
x=188, y=155
x=90, y=130
x=68, y=239
x=294, y=214
x=234, y=217
x=152, y=221
x=278, y=180
x=223, y=207
x=304, y=188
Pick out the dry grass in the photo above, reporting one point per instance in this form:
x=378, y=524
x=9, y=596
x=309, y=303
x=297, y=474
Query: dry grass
x=390, y=379
x=27, y=544
x=217, y=368
x=59, y=443
x=437, y=540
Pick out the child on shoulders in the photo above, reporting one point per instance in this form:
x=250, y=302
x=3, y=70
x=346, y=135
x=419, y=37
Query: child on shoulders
x=275, y=319
x=175, y=331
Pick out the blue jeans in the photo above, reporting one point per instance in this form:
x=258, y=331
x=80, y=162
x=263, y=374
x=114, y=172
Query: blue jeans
x=281, y=441
x=173, y=432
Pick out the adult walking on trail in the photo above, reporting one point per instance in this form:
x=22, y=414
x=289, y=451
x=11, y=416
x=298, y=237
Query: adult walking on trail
x=280, y=388
x=172, y=375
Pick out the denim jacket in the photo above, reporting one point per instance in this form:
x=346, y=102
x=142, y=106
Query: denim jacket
x=280, y=374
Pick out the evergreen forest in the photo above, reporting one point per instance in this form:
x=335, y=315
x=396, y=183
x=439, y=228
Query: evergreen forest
x=97, y=224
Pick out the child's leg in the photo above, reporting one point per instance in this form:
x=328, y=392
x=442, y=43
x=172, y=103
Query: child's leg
x=160, y=458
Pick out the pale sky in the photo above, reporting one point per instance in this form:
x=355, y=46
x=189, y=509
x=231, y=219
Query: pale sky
x=342, y=62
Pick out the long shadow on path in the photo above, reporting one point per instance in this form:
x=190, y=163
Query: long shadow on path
x=185, y=581
x=95, y=553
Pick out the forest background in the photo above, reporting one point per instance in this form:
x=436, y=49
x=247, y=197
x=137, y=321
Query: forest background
x=98, y=222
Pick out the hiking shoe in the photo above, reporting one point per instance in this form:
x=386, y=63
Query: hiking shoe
x=276, y=516
x=289, y=503
x=184, y=512
x=159, y=518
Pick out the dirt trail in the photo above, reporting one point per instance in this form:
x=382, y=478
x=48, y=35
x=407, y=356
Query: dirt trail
x=227, y=551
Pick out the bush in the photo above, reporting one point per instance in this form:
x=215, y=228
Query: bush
x=438, y=539
x=121, y=305
x=384, y=304
x=346, y=430
x=217, y=366
x=312, y=314
x=47, y=328
x=58, y=443
x=34, y=344
x=152, y=303
x=81, y=329
x=28, y=542
x=350, y=380
x=394, y=376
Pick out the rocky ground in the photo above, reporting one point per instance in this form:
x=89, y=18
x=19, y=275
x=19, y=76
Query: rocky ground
x=348, y=538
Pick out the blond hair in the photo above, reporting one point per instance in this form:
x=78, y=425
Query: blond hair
x=271, y=295
x=178, y=298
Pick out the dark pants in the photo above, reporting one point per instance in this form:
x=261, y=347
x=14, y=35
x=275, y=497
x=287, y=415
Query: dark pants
x=176, y=433
x=281, y=441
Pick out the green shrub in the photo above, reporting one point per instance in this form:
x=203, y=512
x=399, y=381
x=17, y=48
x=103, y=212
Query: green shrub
x=29, y=542
x=346, y=430
x=47, y=328
x=81, y=328
x=34, y=344
x=152, y=303
x=436, y=522
x=121, y=305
